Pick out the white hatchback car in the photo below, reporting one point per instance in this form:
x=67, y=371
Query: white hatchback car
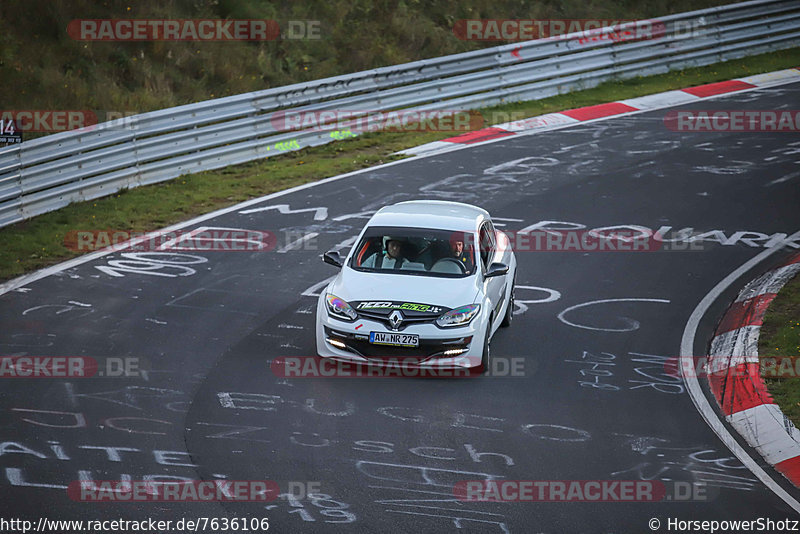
x=427, y=281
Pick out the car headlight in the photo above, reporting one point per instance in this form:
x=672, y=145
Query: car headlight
x=339, y=308
x=459, y=317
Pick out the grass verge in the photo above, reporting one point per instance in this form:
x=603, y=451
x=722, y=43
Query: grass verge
x=39, y=242
x=43, y=67
x=780, y=337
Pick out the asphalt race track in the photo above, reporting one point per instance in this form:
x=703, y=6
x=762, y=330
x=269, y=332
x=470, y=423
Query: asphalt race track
x=596, y=399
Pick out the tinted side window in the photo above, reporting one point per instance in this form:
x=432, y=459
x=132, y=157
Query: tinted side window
x=486, y=245
x=492, y=237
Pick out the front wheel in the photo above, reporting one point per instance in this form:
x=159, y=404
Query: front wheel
x=484, y=366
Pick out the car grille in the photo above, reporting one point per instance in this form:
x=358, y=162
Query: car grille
x=384, y=318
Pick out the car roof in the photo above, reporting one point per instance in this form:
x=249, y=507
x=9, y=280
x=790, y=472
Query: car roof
x=439, y=214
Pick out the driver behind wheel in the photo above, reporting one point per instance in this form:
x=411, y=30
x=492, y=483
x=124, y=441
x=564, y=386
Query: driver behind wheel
x=459, y=252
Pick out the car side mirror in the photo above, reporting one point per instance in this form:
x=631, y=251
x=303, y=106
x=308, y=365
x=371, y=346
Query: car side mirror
x=332, y=257
x=496, y=269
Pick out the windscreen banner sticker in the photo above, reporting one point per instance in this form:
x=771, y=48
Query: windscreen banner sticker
x=399, y=305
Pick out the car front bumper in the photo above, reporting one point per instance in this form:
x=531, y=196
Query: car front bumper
x=351, y=343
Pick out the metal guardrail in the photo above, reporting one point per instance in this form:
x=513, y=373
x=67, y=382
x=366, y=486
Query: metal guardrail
x=45, y=174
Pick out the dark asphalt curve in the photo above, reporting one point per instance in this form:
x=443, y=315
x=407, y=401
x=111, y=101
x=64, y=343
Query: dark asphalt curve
x=594, y=334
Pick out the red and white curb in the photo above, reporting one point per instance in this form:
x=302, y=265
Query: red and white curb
x=735, y=379
x=554, y=121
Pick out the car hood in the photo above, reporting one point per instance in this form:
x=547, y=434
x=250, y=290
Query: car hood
x=353, y=286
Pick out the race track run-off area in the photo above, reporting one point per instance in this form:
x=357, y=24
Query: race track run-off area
x=595, y=335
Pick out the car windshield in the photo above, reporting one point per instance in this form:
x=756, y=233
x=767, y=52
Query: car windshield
x=417, y=251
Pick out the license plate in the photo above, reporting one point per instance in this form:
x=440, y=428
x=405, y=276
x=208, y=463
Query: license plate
x=397, y=340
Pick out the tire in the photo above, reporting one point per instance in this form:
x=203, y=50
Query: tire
x=508, y=317
x=483, y=368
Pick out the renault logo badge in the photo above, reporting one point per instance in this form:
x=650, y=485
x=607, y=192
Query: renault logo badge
x=395, y=318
